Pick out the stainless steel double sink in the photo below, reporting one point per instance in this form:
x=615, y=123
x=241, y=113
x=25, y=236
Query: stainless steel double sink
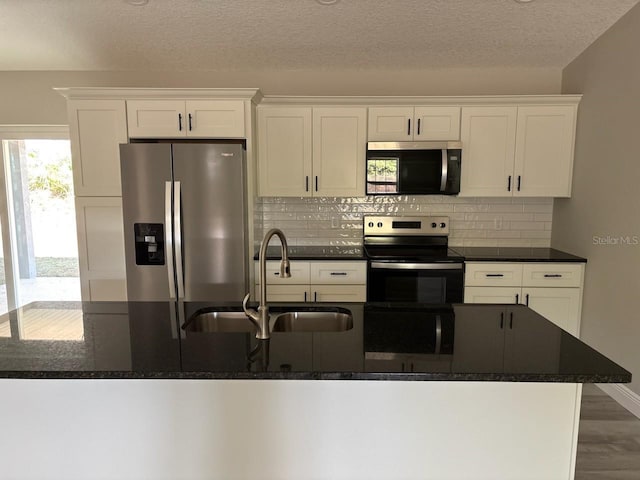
x=298, y=319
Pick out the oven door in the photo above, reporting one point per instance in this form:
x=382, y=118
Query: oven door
x=395, y=281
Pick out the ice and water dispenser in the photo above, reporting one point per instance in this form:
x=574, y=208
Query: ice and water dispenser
x=150, y=249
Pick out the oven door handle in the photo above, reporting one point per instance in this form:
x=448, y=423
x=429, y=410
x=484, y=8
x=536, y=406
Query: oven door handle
x=417, y=266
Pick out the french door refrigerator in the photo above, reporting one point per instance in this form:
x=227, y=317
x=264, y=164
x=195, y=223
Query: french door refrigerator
x=184, y=212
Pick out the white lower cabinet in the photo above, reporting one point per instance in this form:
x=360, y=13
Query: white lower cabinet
x=101, y=248
x=554, y=290
x=315, y=281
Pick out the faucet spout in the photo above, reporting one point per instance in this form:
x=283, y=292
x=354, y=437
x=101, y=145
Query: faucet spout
x=261, y=317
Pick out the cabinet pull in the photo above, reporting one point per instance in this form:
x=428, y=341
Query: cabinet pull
x=306, y=183
x=179, y=122
x=501, y=320
x=315, y=296
x=409, y=126
x=276, y=273
x=494, y=275
x=316, y=183
x=511, y=321
x=305, y=296
x=418, y=126
x=517, y=298
x=334, y=274
x=519, y=182
x=526, y=302
x=552, y=275
x=509, y=184
x=190, y=126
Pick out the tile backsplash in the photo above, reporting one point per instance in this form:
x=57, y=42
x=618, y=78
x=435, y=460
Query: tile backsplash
x=478, y=222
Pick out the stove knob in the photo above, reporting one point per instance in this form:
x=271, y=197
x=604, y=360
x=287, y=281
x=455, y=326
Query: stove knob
x=434, y=225
x=442, y=225
x=370, y=224
x=379, y=224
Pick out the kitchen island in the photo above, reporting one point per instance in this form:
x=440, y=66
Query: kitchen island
x=494, y=395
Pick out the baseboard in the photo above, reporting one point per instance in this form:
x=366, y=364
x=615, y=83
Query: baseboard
x=623, y=395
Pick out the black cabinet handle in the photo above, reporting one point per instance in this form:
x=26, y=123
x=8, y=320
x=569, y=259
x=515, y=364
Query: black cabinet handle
x=501, y=320
x=315, y=296
x=305, y=296
x=306, y=183
x=409, y=126
x=494, y=275
x=526, y=300
x=517, y=298
x=316, y=183
x=552, y=275
x=335, y=274
x=509, y=184
x=179, y=122
x=190, y=126
x=418, y=126
x=511, y=321
x=519, y=178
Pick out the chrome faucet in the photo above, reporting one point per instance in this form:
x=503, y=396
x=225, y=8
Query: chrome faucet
x=261, y=317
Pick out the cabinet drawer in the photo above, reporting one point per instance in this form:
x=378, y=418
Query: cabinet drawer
x=487, y=274
x=299, y=273
x=340, y=272
x=552, y=275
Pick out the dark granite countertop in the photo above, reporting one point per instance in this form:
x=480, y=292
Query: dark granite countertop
x=470, y=254
x=516, y=254
x=314, y=252
x=386, y=342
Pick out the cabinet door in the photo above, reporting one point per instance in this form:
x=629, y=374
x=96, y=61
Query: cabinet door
x=544, y=151
x=338, y=293
x=156, y=118
x=478, y=344
x=284, y=151
x=437, y=123
x=493, y=274
x=508, y=295
x=339, y=141
x=394, y=124
x=560, y=305
x=488, y=147
x=286, y=293
x=101, y=248
x=215, y=118
x=97, y=128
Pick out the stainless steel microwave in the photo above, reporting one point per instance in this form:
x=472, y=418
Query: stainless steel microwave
x=413, y=168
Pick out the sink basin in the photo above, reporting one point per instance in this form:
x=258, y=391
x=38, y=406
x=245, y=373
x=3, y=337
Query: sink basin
x=314, y=321
x=220, y=321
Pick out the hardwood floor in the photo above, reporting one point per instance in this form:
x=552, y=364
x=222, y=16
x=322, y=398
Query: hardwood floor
x=608, y=439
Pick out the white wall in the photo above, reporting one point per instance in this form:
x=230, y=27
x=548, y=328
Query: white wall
x=605, y=204
x=27, y=98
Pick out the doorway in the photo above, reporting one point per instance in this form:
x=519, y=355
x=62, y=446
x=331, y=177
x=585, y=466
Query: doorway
x=37, y=218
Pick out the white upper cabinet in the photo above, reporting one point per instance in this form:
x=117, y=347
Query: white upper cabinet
x=311, y=151
x=284, y=151
x=339, y=148
x=407, y=123
x=488, y=137
x=544, y=151
x=97, y=128
x=524, y=151
x=190, y=118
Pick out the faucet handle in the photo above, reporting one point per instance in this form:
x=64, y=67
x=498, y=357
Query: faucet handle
x=249, y=312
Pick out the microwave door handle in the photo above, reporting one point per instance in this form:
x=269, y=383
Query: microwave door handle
x=445, y=168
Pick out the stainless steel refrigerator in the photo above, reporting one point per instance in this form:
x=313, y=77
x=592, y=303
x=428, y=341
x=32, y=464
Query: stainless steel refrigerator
x=184, y=208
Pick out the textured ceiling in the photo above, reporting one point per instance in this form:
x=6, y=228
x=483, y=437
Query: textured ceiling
x=298, y=34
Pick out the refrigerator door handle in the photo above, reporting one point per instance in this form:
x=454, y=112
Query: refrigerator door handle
x=168, y=239
x=178, y=239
